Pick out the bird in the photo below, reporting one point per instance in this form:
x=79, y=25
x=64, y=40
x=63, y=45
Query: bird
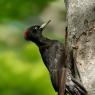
x=53, y=55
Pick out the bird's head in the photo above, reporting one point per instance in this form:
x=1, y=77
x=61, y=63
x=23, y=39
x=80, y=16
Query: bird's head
x=34, y=33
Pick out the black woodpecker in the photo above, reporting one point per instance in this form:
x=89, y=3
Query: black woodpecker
x=52, y=53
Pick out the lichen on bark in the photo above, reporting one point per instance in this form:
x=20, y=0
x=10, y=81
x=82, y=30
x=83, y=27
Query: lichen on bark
x=81, y=34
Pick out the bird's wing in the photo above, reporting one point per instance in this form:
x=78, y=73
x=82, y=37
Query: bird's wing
x=52, y=59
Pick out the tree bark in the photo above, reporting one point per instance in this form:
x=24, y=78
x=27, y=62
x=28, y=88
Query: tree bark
x=81, y=39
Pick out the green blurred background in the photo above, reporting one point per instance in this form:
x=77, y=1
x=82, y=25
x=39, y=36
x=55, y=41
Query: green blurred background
x=22, y=71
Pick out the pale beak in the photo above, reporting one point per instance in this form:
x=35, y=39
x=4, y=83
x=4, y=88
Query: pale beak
x=44, y=25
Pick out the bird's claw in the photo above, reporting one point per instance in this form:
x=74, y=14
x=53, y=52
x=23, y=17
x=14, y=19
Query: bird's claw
x=76, y=88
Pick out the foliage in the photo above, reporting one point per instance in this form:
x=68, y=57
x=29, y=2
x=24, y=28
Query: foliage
x=19, y=76
x=19, y=9
x=21, y=69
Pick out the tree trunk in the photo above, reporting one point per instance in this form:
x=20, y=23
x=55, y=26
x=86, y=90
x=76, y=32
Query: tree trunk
x=81, y=39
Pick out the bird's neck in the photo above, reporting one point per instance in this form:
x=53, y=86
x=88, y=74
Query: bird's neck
x=42, y=41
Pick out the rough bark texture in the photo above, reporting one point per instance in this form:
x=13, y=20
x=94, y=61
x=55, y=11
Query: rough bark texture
x=81, y=39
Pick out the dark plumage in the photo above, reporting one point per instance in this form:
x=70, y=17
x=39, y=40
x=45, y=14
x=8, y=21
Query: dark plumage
x=52, y=52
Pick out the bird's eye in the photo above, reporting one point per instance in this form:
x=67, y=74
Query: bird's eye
x=36, y=28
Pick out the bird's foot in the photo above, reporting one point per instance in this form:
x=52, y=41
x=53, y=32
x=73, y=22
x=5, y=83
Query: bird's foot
x=75, y=88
